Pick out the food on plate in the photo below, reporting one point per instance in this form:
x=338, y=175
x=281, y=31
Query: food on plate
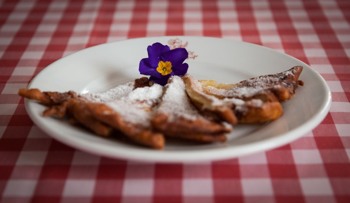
x=175, y=116
x=171, y=104
x=255, y=100
x=184, y=108
x=125, y=108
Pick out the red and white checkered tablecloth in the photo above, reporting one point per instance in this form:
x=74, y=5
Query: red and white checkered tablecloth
x=36, y=168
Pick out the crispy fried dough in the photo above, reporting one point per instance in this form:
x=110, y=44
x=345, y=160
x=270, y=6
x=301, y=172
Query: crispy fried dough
x=186, y=108
x=137, y=133
x=176, y=117
x=97, y=117
x=78, y=110
x=57, y=111
x=260, y=108
x=256, y=100
x=282, y=84
x=205, y=102
x=46, y=98
x=196, y=130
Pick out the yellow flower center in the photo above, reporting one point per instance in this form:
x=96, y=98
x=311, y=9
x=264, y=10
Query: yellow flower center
x=164, y=68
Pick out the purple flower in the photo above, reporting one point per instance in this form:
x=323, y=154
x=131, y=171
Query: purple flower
x=163, y=62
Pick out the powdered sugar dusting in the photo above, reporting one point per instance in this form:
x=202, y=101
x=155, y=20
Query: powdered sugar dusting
x=256, y=102
x=237, y=103
x=250, y=87
x=134, y=105
x=111, y=94
x=131, y=112
x=146, y=95
x=175, y=101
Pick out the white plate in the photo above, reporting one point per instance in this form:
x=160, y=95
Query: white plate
x=102, y=67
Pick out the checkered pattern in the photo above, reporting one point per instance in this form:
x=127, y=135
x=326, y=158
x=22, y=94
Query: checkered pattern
x=33, y=167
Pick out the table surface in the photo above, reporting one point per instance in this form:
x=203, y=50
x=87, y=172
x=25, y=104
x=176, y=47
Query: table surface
x=35, y=168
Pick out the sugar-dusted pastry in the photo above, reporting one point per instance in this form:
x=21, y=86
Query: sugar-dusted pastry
x=282, y=84
x=255, y=100
x=169, y=103
x=176, y=117
x=126, y=108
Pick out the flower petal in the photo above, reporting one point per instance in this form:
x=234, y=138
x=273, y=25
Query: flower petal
x=175, y=56
x=181, y=69
x=154, y=52
x=162, y=81
x=146, y=69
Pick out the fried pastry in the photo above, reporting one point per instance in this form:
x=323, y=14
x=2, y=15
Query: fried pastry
x=137, y=132
x=175, y=116
x=208, y=104
x=124, y=108
x=130, y=111
x=186, y=108
x=282, y=84
x=256, y=100
x=46, y=98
